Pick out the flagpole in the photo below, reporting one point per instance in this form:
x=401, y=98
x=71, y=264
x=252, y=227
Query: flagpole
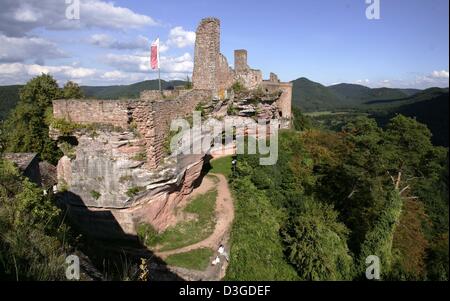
x=159, y=79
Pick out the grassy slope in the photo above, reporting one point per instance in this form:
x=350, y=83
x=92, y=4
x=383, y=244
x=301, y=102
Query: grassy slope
x=190, y=232
x=221, y=166
x=197, y=259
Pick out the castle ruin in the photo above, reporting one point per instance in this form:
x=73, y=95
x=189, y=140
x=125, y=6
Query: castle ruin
x=118, y=174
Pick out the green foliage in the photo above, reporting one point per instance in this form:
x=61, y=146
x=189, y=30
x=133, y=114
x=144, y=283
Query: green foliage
x=95, y=194
x=33, y=239
x=197, y=259
x=148, y=235
x=316, y=244
x=9, y=96
x=65, y=128
x=438, y=261
x=379, y=239
x=26, y=129
x=200, y=108
x=131, y=192
x=67, y=149
x=168, y=141
x=256, y=247
x=231, y=110
x=72, y=90
x=301, y=122
x=222, y=166
x=350, y=171
x=238, y=87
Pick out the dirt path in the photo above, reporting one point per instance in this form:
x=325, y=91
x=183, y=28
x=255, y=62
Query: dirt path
x=224, y=217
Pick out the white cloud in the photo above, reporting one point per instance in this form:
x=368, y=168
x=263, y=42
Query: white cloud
x=180, y=37
x=363, y=81
x=106, y=41
x=440, y=74
x=114, y=75
x=26, y=48
x=26, y=14
x=19, y=73
x=18, y=17
x=106, y=14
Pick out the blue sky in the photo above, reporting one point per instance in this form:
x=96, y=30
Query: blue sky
x=328, y=41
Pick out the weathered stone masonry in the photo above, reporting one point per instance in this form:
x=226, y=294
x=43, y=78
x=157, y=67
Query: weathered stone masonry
x=211, y=69
x=151, y=117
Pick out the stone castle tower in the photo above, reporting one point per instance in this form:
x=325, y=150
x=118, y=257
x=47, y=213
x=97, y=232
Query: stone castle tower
x=207, y=48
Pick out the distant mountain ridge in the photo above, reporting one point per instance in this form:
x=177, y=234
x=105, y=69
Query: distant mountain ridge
x=128, y=91
x=311, y=96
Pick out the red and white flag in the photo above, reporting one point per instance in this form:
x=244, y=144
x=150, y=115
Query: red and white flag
x=154, y=54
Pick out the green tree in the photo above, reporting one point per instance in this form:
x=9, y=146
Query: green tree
x=31, y=233
x=301, y=122
x=72, y=90
x=316, y=244
x=379, y=239
x=27, y=127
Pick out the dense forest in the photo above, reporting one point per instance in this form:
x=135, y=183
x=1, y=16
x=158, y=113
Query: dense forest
x=333, y=198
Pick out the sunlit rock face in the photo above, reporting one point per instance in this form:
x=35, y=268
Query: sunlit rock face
x=110, y=189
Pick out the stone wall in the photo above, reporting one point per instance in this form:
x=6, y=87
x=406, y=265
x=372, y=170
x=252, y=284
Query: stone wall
x=285, y=99
x=155, y=95
x=225, y=76
x=163, y=112
x=151, y=117
x=240, y=60
x=113, y=112
x=250, y=78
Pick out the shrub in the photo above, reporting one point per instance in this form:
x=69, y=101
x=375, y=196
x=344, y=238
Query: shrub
x=148, y=235
x=134, y=191
x=95, y=194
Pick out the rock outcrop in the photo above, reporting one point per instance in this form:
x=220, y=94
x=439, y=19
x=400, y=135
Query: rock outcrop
x=109, y=190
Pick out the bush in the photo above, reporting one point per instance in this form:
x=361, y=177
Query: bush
x=131, y=192
x=238, y=87
x=95, y=194
x=33, y=241
x=148, y=235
